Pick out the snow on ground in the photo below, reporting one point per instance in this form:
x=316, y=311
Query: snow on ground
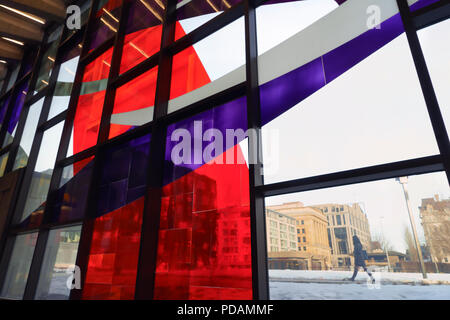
x=313, y=285
x=323, y=291
x=395, y=277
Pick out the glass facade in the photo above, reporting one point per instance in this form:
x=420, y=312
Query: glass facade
x=154, y=142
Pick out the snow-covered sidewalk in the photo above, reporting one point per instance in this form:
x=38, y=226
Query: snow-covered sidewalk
x=383, y=277
x=329, y=285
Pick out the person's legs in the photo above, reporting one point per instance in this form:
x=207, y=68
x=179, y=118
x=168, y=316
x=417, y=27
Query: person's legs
x=355, y=272
x=369, y=273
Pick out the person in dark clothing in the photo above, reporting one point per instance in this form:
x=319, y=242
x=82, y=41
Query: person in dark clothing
x=360, y=257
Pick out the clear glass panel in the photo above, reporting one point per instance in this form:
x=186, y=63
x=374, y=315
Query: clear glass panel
x=19, y=266
x=213, y=64
x=13, y=77
x=278, y=22
x=40, y=182
x=437, y=55
x=134, y=102
x=28, y=135
x=194, y=13
x=379, y=214
x=59, y=262
x=335, y=114
x=48, y=60
x=64, y=82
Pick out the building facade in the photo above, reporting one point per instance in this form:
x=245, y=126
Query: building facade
x=281, y=232
x=311, y=228
x=345, y=221
x=435, y=219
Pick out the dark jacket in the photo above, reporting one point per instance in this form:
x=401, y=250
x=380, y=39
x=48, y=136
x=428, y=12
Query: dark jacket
x=359, y=255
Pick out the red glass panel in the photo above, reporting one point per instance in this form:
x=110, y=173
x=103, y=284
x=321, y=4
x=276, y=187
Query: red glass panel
x=140, y=45
x=137, y=94
x=90, y=103
x=114, y=254
x=204, y=247
x=188, y=72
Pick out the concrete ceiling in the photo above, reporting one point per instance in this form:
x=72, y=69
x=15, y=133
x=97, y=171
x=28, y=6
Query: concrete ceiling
x=15, y=26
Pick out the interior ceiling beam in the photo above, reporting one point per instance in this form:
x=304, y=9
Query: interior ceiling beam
x=9, y=50
x=19, y=28
x=50, y=10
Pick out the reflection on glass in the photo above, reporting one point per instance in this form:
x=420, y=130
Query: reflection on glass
x=143, y=32
x=13, y=77
x=219, y=58
x=106, y=24
x=402, y=225
x=69, y=201
x=204, y=249
x=40, y=182
x=64, y=82
x=3, y=162
x=19, y=266
x=201, y=11
x=47, y=63
x=59, y=261
x=437, y=56
x=114, y=251
x=3, y=108
x=18, y=101
x=90, y=104
x=28, y=135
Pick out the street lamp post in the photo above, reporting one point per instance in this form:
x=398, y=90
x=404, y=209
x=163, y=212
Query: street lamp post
x=404, y=181
x=385, y=246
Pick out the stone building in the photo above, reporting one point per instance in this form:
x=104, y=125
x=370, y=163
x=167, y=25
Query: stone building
x=345, y=221
x=311, y=234
x=435, y=219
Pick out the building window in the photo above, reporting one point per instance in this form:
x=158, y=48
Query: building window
x=303, y=230
x=304, y=248
x=338, y=219
x=304, y=239
x=303, y=221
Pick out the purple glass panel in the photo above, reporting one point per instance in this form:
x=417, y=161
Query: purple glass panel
x=123, y=178
x=231, y=115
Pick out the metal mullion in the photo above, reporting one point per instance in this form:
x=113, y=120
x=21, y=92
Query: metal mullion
x=77, y=157
x=431, y=14
x=53, y=121
x=379, y=172
x=136, y=71
x=260, y=276
x=5, y=149
x=208, y=103
x=206, y=29
x=97, y=52
x=426, y=84
x=110, y=93
x=145, y=280
x=38, y=96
